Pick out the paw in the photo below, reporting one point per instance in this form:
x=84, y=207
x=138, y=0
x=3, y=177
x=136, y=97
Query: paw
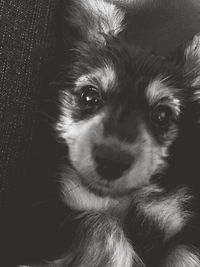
x=100, y=241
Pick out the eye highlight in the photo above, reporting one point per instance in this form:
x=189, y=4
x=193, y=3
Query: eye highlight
x=161, y=117
x=90, y=97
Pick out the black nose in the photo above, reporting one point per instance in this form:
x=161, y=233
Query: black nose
x=111, y=162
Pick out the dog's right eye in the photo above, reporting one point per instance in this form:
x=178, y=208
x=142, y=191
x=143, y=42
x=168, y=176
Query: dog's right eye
x=90, y=97
x=161, y=117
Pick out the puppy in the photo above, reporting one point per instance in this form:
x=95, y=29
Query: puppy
x=124, y=115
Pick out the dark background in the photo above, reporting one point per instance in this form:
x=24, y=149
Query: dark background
x=29, y=52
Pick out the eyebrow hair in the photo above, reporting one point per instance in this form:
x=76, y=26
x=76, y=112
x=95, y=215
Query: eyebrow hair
x=104, y=76
x=158, y=91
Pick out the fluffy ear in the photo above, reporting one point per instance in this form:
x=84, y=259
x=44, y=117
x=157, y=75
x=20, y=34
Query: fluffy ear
x=94, y=20
x=187, y=58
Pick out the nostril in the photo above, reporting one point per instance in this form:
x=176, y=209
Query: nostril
x=111, y=163
x=101, y=161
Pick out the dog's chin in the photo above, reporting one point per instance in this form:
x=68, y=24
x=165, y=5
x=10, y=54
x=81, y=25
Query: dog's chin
x=108, y=190
x=102, y=187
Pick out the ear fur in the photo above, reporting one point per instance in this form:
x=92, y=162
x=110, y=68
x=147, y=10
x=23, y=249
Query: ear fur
x=192, y=66
x=94, y=20
x=187, y=59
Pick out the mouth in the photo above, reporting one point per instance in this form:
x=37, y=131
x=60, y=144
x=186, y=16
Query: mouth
x=110, y=174
x=99, y=187
x=105, y=188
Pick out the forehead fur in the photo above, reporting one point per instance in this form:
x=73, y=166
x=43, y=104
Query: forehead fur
x=104, y=77
x=159, y=91
x=95, y=19
x=117, y=56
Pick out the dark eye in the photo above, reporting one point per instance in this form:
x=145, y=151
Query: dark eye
x=90, y=97
x=161, y=116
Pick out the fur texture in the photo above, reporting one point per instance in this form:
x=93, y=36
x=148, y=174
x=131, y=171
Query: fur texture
x=130, y=120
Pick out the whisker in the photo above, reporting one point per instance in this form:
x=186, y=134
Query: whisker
x=45, y=201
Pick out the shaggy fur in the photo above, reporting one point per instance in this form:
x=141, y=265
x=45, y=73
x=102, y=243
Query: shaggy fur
x=130, y=120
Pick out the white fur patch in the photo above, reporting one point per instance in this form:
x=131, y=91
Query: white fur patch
x=78, y=197
x=104, y=77
x=196, y=82
x=183, y=256
x=123, y=253
x=192, y=55
x=157, y=91
x=194, y=48
x=168, y=212
x=196, y=95
x=71, y=131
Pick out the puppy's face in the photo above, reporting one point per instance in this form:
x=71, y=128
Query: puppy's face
x=120, y=115
x=120, y=106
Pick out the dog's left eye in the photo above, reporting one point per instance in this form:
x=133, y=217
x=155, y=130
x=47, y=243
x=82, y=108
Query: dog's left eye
x=90, y=97
x=161, y=116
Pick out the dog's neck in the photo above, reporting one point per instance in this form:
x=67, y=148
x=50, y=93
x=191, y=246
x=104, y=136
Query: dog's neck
x=168, y=209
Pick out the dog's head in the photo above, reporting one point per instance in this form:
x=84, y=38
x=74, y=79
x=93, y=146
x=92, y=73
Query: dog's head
x=121, y=106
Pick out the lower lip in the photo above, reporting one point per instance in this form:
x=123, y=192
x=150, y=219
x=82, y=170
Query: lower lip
x=104, y=184
x=103, y=187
